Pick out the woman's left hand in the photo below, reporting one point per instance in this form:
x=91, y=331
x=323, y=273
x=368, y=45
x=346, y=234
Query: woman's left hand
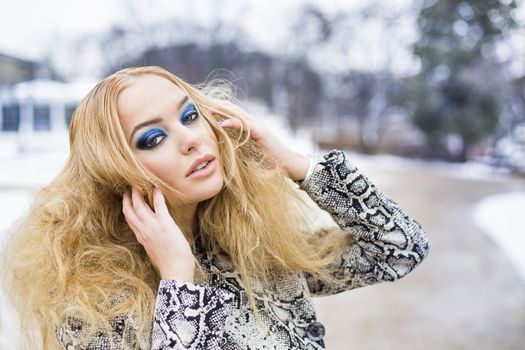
x=294, y=163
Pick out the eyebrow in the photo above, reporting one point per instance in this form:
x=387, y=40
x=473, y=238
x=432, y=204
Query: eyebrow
x=156, y=120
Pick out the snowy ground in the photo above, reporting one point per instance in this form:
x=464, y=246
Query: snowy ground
x=501, y=215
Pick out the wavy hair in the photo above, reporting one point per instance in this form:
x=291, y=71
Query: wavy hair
x=73, y=254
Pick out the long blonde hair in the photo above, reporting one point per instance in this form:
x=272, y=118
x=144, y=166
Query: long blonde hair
x=73, y=254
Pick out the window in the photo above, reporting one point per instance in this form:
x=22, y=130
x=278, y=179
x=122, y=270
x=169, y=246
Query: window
x=11, y=119
x=41, y=118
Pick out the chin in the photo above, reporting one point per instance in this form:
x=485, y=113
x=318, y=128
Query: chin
x=206, y=191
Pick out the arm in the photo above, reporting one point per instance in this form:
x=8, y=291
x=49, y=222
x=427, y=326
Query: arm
x=187, y=316
x=388, y=243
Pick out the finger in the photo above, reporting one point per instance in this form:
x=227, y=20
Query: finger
x=159, y=203
x=138, y=234
x=230, y=122
x=224, y=123
x=142, y=211
x=127, y=210
x=131, y=219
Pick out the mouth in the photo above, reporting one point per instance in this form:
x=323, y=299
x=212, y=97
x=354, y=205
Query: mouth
x=203, y=170
x=201, y=164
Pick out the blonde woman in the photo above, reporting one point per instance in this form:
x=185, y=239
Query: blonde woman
x=178, y=222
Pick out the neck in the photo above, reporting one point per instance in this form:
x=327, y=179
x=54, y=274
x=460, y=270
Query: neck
x=187, y=218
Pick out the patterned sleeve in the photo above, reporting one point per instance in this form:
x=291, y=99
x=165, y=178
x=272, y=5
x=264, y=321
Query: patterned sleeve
x=388, y=243
x=187, y=316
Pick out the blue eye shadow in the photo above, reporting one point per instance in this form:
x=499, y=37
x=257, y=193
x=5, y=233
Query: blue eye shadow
x=149, y=136
x=188, y=110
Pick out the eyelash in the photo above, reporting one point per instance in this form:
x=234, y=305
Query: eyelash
x=146, y=144
x=192, y=111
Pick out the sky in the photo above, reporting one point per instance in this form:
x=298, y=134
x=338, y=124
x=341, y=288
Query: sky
x=32, y=21
x=30, y=28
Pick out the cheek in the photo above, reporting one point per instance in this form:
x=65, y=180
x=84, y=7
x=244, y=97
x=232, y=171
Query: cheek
x=165, y=166
x=210, y=136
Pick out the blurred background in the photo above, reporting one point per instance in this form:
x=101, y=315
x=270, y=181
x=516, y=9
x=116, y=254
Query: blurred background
x=427, y=98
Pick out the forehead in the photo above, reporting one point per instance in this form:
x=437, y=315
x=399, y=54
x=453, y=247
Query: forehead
x=146, y=97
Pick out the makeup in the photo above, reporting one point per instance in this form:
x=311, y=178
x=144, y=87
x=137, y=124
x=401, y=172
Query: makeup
x=207, y=170
x=189, y=114
x=151, y=138
x=154, y=137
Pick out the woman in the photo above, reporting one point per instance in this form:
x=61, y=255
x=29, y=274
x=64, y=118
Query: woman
x=177, y=223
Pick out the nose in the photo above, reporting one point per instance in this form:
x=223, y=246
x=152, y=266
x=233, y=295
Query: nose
x=189, y=139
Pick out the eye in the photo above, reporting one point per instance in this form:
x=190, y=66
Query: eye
x=151, y=139
x=190, y=114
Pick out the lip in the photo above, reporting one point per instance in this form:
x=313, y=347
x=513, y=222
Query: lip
x=204, y=172
x=206, y=157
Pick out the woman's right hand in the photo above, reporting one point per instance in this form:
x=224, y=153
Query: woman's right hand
x=160, y=236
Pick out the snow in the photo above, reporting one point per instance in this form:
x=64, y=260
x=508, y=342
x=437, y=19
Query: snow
x=22, y=175
x=501, y=216
x=13, y=204
x=48, y=90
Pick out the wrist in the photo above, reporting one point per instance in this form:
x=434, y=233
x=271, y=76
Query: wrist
x=313, y=167
x=183, y=277
x=179, y=272
x=295, y=165
x=309, y=171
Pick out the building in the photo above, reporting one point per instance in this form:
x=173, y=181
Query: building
x=35, y=114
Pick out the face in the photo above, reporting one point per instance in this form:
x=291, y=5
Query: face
x=168, y=135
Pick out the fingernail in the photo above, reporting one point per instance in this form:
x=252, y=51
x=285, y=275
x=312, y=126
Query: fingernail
x=220, y=122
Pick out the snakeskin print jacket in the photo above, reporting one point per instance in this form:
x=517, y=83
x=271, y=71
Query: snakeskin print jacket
x=216, y=315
